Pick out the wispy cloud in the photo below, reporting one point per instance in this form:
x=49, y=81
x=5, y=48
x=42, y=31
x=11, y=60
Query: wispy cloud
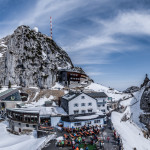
x=129, y=23
x=92, y=32
x=106, y=42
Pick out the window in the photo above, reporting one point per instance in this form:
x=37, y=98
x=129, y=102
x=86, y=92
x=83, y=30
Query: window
x=83, y=111
x=97, y=121
x=77, y=124
x=82, y=97
x=34, y=126
x=76, y=111
x=75, y=105
x=89, y=104
x=99, y=105
x=103, y=105
x=89, y=110
x=82, y=104
x=27, y=125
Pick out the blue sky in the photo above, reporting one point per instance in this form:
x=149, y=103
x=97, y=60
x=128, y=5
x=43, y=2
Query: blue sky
x=109, y=39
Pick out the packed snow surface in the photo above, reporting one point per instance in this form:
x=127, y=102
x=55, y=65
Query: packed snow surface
x=10, y=141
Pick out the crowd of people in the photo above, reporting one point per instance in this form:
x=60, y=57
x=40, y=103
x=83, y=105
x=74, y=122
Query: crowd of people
x=81, y=138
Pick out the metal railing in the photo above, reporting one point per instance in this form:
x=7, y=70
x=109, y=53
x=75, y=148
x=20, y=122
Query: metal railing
x=48, y=138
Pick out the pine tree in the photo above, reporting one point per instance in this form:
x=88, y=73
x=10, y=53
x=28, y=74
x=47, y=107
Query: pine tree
x=9, y=85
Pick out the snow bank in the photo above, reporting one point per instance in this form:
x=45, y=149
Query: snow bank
x=60, y=138
x=57, y=86
x=3, y=89
x=40, y=102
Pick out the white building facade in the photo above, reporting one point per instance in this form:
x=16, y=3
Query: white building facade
x=82, y=104
x=81, y=109
x=101, y=99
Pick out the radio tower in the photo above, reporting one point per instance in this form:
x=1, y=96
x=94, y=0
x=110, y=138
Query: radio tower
x=51, y=27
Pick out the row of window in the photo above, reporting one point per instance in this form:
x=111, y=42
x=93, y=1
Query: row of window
x=83, y=111
x=89, y=122
x=74, y=75
x=101, y=100
x=27, y=125
x=74, y=78
x=82, y=104
x=101, y=105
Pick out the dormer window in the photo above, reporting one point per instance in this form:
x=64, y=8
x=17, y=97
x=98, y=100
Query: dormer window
x=76, y=105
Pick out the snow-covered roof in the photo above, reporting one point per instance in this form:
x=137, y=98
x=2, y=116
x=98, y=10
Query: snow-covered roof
x=7, y=92
x=71, y=96
x=97, y=94
x=41, y=110
x=25, y=110
x=93, y=95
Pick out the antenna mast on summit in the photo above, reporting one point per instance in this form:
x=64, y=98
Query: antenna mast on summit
x=50, y=27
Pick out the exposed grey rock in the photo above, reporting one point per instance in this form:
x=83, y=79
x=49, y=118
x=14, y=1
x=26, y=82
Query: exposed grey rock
x=132, y=89
x=146, y=80
x=29, y=58
x=145, y=100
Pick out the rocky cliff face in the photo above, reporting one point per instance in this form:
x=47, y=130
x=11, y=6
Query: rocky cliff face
x=29, y=58
x=145, y=99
